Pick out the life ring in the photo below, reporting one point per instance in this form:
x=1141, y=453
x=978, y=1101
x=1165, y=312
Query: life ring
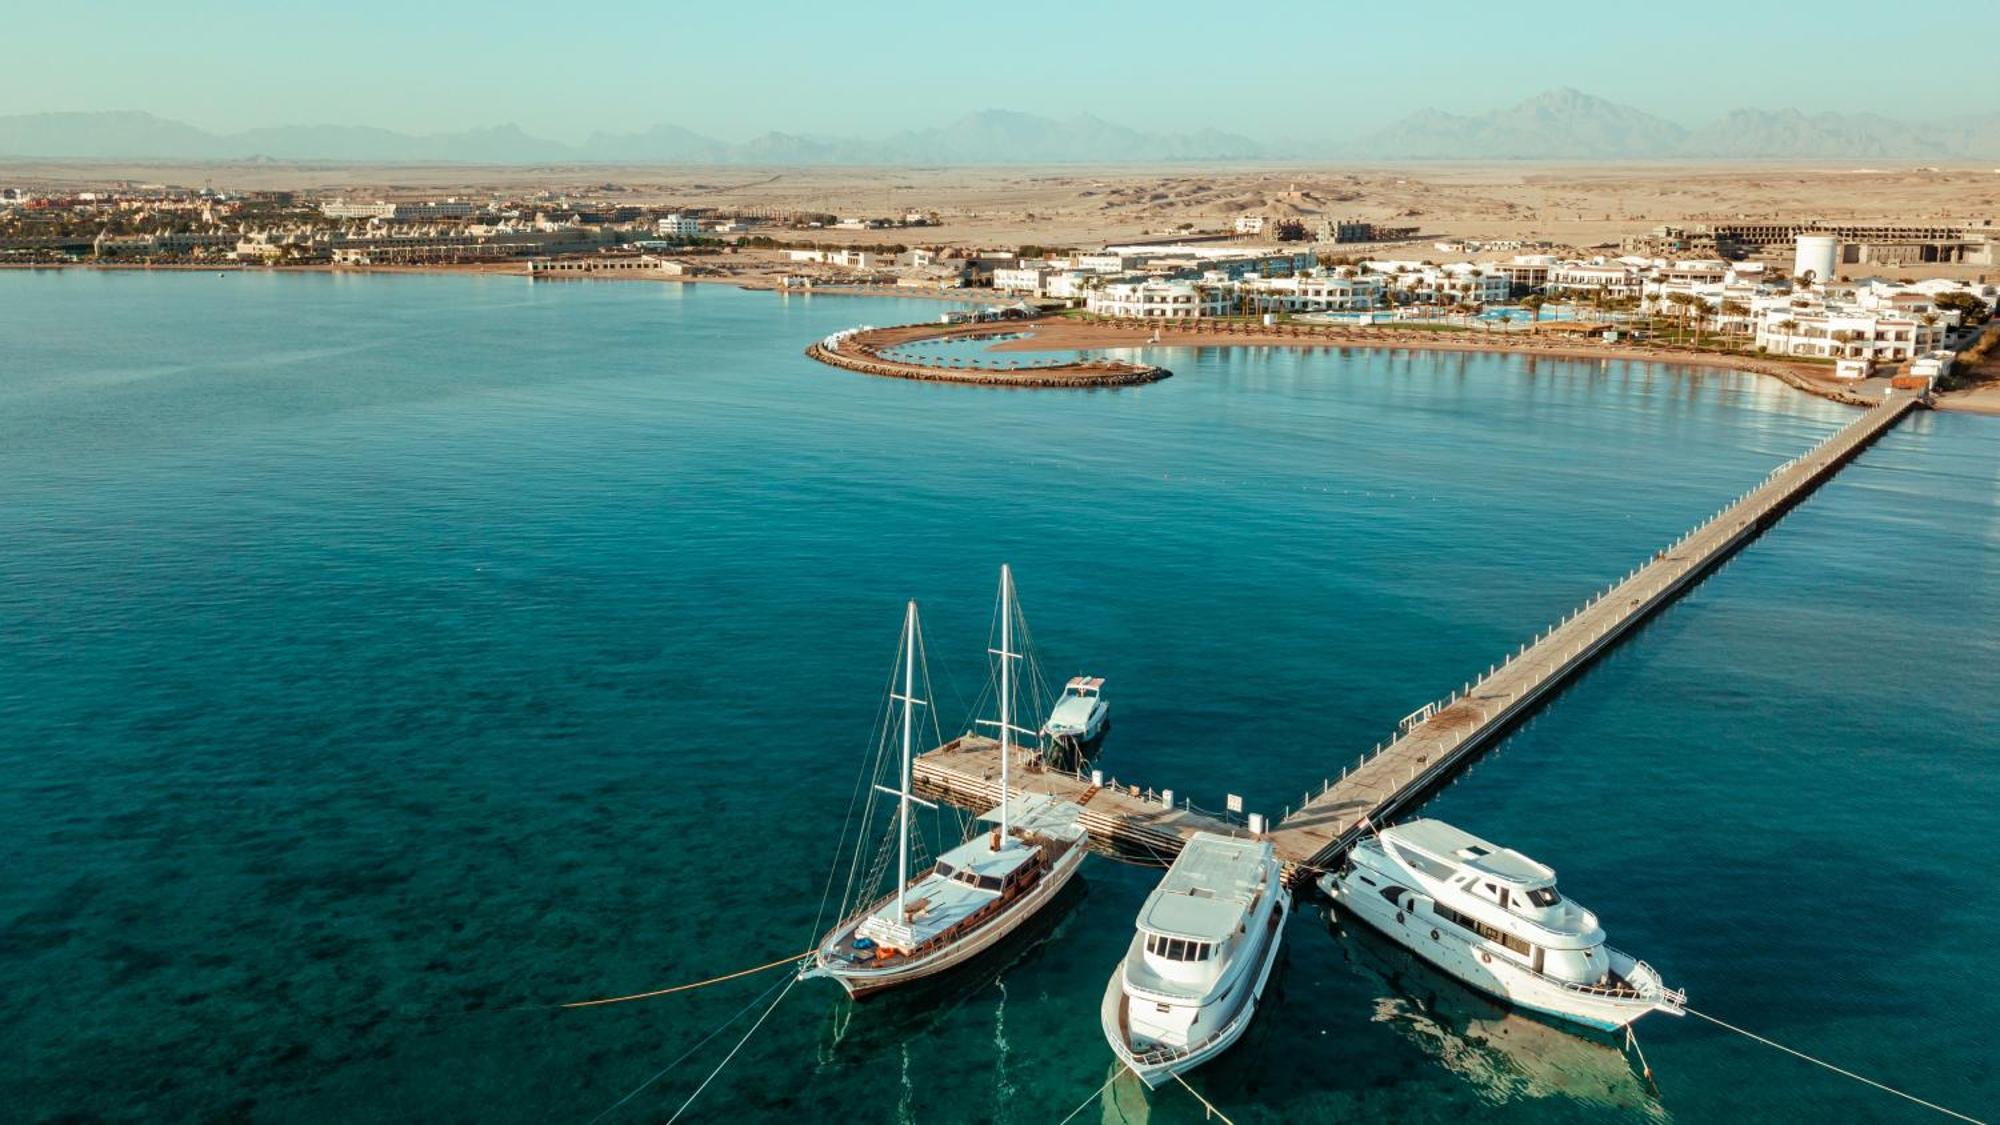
x=1434, y=934
x=1486, y=957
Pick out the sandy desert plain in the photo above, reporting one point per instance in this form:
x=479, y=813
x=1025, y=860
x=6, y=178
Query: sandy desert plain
x=1579, y=206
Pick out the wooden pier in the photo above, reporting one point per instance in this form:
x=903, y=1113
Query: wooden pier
x=1438, y=739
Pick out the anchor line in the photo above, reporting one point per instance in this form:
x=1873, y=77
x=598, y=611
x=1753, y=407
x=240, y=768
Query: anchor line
x=764, y=968
x=1094, y=1094
x=684, y=1055
x=1206, y=1105
x=1837, y=1070
x=732, y=1051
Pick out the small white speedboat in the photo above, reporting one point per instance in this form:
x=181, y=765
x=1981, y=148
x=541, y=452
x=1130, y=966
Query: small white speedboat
x=1079, y=718
x=1208, y=936
x=1493, y=918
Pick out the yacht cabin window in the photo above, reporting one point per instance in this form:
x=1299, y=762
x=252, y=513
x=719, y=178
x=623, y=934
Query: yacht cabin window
x=1544, y=896
x=1176, y=949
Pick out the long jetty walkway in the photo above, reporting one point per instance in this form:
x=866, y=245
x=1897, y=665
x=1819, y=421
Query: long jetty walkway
x=1438, y=739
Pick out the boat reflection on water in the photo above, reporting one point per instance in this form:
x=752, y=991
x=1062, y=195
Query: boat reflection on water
x=1506, y=1055
x=1126, y=1101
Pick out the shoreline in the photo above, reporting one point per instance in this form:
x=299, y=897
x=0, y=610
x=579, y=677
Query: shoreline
x=1061, y=333
x=1056, y=333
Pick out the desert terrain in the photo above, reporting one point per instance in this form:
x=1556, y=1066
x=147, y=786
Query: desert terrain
x=1080, y=207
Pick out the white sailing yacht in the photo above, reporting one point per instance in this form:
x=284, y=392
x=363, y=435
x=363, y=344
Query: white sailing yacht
x=974, y=894
x=1493, y=918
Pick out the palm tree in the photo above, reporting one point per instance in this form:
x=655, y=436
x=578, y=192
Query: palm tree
x=1681, y=301
x=1788, y=327
x=1533, y=302
x=1733, y=309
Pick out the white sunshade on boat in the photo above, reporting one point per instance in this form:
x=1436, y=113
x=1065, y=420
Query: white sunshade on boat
x=1455, y=845
x=1036, y=812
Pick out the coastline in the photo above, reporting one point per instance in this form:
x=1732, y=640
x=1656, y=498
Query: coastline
x=1058, y=333
x=1063, y=333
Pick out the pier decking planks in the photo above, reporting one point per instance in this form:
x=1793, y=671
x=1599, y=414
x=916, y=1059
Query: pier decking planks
x=966, y=771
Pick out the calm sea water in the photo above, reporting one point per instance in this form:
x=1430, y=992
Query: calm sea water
x=380, y=657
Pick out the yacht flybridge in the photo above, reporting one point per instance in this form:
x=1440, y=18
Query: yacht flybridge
x=974, y=894
x=1208, y=936
x=1493, y=918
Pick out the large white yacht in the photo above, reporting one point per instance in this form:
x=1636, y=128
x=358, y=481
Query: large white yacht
x=1493, y=918
x=1208, y=936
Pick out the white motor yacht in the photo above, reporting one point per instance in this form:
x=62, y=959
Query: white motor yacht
x=1208, y=936
x=1493, y=918
x=1078, y=720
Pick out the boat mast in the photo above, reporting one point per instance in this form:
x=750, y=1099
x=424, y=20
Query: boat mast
x=903, y=789
x=1006, y=690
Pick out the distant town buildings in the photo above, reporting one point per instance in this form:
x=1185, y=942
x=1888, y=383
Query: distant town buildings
x=404, y=212
x=1973, y=243
x=1359, y=230
x=679, y=227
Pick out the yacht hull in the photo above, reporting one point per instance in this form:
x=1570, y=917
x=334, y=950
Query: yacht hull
x=862, y=983
x=1152, y=1068
x=1439, y=945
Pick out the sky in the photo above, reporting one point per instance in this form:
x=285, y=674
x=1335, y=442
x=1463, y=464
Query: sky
x=861, y=68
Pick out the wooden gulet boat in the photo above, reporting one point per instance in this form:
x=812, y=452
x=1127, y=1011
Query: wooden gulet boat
x=974, y=894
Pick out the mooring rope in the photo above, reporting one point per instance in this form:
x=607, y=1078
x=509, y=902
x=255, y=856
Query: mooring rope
x=684, y=1055
x=1094, y=1095
x=1835, y=1069
x=1632, y=1041
x=1205, y=1103
x=764, y=968
x=732, y=1051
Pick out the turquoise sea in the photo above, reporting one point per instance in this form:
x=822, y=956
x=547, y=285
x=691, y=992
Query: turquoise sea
x=383, y=658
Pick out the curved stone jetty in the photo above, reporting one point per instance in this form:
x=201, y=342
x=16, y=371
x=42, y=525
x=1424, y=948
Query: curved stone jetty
x=862, y=349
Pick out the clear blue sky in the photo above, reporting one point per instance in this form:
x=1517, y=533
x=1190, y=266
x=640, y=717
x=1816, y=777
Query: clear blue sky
x=858, y=67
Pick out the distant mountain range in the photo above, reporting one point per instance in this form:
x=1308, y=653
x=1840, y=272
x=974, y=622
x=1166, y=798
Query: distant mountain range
x=1568, y=124
x=1561, y=124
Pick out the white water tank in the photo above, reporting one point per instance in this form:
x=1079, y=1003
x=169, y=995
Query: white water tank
x=1817, y=256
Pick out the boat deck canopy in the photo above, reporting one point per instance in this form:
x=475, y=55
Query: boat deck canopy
x=1209, y=889
x=1085, y=683
x=1037, y=813
x=1453, y=845
x=976, y=876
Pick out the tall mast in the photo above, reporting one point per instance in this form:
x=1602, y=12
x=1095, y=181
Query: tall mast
x=903, y=789
x=1006, y=690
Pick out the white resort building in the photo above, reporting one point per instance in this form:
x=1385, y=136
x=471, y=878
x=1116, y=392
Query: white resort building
x=1846, y=334
x=679, y=226
x=1313, y=293
x=1155, y=298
